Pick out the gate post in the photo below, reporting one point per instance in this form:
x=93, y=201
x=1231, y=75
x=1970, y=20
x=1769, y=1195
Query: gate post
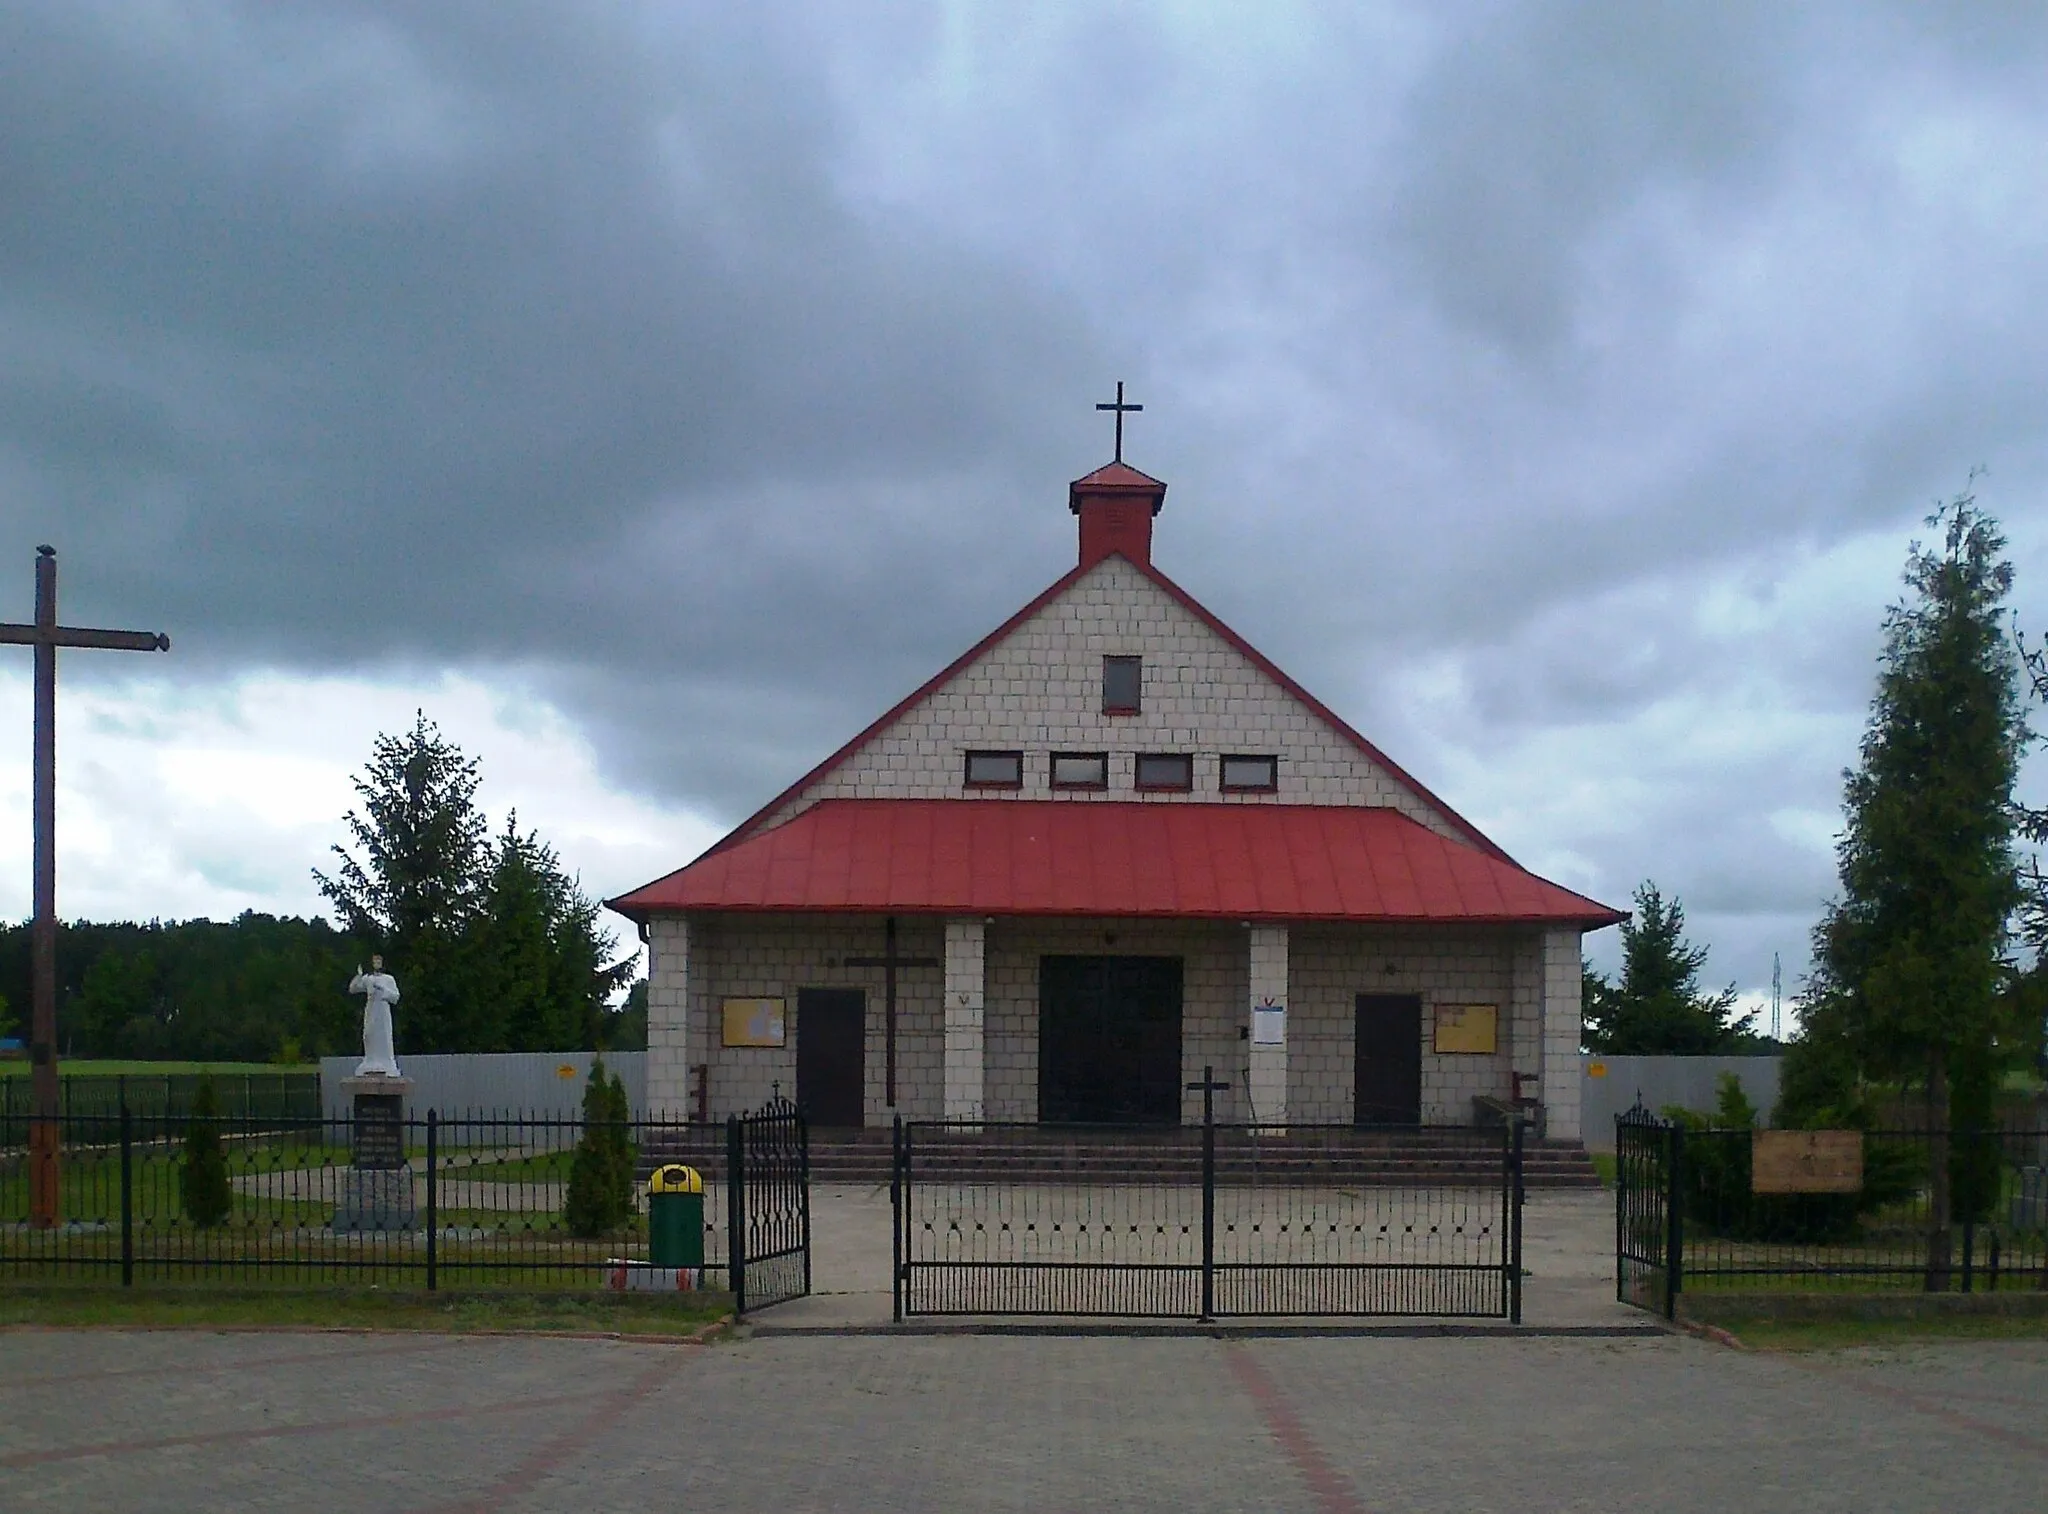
x=896, y=1218
x=735, y=1215
x=127, y=1197
x=1208, y=1193
x=1620, y=1213
x=803, y=1171
x=1515, y=1224
x=433, y=1196
x=1674, y=1221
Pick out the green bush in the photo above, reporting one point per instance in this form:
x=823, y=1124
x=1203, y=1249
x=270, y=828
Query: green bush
x=600, y=1196
x=203, y=1186
x=1715, y=1177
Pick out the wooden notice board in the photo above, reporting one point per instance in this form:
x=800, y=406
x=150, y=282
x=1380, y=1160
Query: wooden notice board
x=1469, y=1029
x=1806, y=1161
x=754, y=1022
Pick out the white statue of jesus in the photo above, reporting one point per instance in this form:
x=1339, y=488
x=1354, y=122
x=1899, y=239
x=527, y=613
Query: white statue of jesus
x=380, y=991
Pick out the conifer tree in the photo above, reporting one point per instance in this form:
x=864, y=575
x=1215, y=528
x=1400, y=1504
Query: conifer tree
x=203, y=1188
x=1658, y=1007
x=599, y=1196
x=1911, y=960
x=416, y=890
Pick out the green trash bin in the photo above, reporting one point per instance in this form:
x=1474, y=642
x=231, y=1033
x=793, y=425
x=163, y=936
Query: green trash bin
x=675, y=1217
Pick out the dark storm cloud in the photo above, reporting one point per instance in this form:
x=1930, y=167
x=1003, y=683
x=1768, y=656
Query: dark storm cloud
x=723, y=376
x=313, y=311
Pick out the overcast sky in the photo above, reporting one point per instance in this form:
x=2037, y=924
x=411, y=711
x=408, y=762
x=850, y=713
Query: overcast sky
x=653, y=396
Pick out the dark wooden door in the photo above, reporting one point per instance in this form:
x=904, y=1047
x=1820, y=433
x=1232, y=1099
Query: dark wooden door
x=1388, y=1066
x=1109, y=1040
x=831, y=1054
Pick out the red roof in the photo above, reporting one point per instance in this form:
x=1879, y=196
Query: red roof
x=1048, y=857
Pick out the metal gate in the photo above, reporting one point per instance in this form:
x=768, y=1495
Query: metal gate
x=1648, y=1225
x=768, y=1199
x=1206, y=1222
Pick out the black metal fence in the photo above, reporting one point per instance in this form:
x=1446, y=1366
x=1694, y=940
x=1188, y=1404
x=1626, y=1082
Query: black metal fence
x=259, y=1095
x=1206, y=1222
x=480, y=1201
x=1689, y=1216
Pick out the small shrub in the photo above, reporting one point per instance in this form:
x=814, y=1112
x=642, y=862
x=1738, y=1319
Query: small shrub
x=1716, y=1178
x=600, y=1195
x=204, y=1191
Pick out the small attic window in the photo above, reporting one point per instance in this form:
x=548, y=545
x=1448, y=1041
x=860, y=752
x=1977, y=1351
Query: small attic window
x=1249, y=775
x=1166, y=771
x=995, y=770
x=1080, y=770
x=1123, y=681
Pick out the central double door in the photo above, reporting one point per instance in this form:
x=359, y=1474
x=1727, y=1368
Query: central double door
x=1109, y=1040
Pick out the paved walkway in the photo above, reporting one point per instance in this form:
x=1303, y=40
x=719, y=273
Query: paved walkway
x=132, y=1423
x=1567, y=1248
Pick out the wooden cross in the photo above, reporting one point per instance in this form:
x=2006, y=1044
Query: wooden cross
x=889, y=961
x=45, y=635
x=1121, y=410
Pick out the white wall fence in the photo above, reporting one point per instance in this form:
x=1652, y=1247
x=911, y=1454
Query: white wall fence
x=1611, y=1085
x=543, y=1084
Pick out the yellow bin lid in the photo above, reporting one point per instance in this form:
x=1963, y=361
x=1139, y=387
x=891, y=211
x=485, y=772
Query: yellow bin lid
x=675, y=1178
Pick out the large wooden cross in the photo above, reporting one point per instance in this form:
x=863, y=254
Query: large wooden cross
x=45, y=635
x=889, y=961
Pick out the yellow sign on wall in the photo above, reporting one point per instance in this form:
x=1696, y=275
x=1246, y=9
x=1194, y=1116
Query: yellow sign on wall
x=753, y=1022
x=1468, y=1029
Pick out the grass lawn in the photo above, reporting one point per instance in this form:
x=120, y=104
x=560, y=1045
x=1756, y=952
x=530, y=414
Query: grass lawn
x=203, y=1307
x=1838, y=1335
x=1603, y=1163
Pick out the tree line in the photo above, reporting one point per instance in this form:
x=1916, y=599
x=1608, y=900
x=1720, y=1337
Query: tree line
x=494, y=943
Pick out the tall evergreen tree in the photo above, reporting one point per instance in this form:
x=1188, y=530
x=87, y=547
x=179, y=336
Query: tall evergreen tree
x=419, y=886
x=1911, y=960
x=542, y=955
x=1658, y=1008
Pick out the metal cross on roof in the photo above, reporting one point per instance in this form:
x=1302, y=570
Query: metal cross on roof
x=1121, y=410
x=45, y=635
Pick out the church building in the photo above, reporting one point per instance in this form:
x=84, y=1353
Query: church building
x=1109, y=846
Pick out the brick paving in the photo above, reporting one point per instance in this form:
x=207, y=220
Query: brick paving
x=147, y=1421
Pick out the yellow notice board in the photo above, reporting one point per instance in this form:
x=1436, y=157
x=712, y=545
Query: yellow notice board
x=754, y=1022
x=1806, y=1161
x=1468, y=1029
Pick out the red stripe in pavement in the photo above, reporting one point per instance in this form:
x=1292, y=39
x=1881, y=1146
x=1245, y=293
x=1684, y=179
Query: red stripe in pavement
x=1333, y=1494
x=550, y=1454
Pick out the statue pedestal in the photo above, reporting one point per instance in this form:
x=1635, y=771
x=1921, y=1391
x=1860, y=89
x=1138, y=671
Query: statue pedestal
x=377, y=1190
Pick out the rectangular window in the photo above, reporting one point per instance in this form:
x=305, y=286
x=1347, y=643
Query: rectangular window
x=1123, y=680
x=995, y=770
x=1249, y=775
x=1166, y=771
x=1080, y=770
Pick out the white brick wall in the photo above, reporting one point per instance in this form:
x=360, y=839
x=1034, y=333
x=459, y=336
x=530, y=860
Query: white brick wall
x=1329, y=966
x=668, y=1039
x=1040, y=690
x=773, y=956
x=1562, y=985
x=1317, y=971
